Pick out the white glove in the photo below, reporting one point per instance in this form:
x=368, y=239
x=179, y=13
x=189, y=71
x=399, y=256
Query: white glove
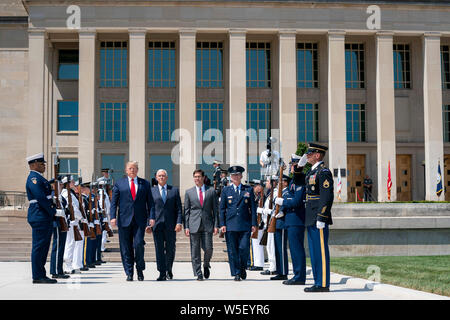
x=260, y=210
x=303, y=161
x=74, y=223
x=279, y=201
x=320, y=225
x=60, y=213
x=267, y=211
x=280, y=215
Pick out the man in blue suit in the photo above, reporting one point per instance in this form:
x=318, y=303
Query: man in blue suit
x=132, y=201
x=41, y=213
x=293, y=206
x=237, y=221
x=165, y=221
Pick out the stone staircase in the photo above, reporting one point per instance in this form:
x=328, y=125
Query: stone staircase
x=15, y=242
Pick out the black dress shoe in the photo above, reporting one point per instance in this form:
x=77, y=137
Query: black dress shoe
x=317, y=289
x=84, y=269
x=206, y=272
x=293, y=282
x=130, y=277
x=101, y=261
x=253, y=268
x=140, y=275
x=60, y=276
x=237, y=278
x=243, y=274
x=279, y=277
x=162, y=277
x=45, y=280
x=169, y=275
x=92, y=266
x=97, y=263
x=268, y=273
x=200, y=278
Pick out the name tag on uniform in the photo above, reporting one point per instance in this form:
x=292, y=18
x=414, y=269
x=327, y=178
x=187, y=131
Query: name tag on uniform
x=230, y=199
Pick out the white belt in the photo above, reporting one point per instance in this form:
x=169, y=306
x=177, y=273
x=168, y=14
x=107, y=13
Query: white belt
x=33, y=201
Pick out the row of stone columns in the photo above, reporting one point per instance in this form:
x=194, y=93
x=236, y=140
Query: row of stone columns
x=385, y=101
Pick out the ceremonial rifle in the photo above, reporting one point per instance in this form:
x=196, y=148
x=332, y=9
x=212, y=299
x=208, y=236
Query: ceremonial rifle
x=98, y=230
x=105, y=218
x=273, y=221
x=260, y=205
x=62, y=220
x=263, y=240
x=81, y=205
x=76, y=231
x=90, y=216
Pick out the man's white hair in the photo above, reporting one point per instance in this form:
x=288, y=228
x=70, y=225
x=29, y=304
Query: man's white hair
x=165, y=172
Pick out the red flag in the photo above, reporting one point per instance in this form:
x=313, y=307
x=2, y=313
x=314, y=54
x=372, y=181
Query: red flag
x=389, y=181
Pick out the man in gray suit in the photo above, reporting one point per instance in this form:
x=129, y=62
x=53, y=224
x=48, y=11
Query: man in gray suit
x=201, y=221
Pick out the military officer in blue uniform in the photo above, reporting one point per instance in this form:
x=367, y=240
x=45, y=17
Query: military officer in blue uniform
x=237, y=221
x=280, y=237
x=41, y=213
x=293, y=206
x=319, y=199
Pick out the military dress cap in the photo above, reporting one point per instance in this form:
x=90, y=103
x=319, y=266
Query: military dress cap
x=105, y=170
x=38, y=157
x=235, y=169
x=217, y=162
x=314, y=147
x=85, y=184
x=286, y=178
x=295, y=158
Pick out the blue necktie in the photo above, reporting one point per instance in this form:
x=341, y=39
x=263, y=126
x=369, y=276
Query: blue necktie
x=163, y=194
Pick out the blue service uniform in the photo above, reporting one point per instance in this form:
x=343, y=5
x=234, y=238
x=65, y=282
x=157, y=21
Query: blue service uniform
x=89, y=244
x=58, y=245
x=41, y=213
x=281, y=238
x=294, y=210
x=238, y=215
x=319, y=199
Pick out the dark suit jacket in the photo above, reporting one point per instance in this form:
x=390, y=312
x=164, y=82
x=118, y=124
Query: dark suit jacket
x=167, y=214
x=194, y=213
x=127, y=208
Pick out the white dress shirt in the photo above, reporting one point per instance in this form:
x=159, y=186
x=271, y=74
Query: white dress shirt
x=316, y=165
x=160, y=189
x=135, y=183
x=238, y=188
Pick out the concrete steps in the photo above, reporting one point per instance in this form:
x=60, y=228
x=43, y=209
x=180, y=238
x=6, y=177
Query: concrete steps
x=16, y=242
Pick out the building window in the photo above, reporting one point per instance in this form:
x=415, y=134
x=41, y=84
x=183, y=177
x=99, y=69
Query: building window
x=113, y=64
x=209, y=56
x=307, y=122
x=259, y=117
x=402, y=66
x=116, y=163
x=162, y=162
x=446, y=120
x=354, y=65
x=68, y=166
x=67, y=116
x=68, y=65
x=258, y=64
x=445, y=67
x=211, y=116
x=161, y=121
x=113, y=122
x=161, y=64
x=307, y=65
x=356, y=123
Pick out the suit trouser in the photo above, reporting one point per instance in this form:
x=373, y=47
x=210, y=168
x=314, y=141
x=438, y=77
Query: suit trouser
x=131, y=241
x=270, y=248
x=98, y=248
x=281, y=255
x=77, y=262
x=238, y=247
x=201, y=240
x=41, y=238
x=104, y=238
x=296, y=237
x=257, y=251
x=164, y=248
x=69, y=250
x=320, y=255
x=57, y=255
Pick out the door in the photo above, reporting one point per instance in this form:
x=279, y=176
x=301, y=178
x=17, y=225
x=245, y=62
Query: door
x=356, y=164
x=446, y=176
x=403, y=177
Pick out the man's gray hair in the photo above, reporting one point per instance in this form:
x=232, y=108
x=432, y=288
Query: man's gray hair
x=165, y=172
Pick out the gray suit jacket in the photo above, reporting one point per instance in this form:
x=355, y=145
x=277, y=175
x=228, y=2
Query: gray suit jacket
x=194, y=213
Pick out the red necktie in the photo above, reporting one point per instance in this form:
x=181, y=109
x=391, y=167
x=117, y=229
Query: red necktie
x=133, y=189
x=201, y=197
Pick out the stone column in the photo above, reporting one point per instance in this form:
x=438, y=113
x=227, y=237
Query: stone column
x=385, y=106
x=432, y=108
x=237, y=90
x=137, y=98
x=86, y=102
x=36, y=59
x=186, y=107
x=287, y=94
x=337, y=138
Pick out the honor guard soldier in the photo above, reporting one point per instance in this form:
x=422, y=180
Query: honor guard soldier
x=265, y=215
x=319, y=199
x=293, y=206
x=237, y=221
x=41, y=213
x=103, y=181
x=256, y=249
x=216, y=176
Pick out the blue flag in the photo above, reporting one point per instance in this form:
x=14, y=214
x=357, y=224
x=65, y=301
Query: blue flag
x=439, y=181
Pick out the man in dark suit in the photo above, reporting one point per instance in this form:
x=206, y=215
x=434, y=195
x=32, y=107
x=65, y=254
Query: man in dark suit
x=165, y=221
x=201, y=220
x=132, y=197
x=237, y=221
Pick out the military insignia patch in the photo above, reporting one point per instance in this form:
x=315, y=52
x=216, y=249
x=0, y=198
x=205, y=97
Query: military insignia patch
x=326, y=184
x=229, y=201
x=34, y=180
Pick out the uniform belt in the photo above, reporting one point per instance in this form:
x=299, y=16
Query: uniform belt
x=308, y=197
x=33, y=201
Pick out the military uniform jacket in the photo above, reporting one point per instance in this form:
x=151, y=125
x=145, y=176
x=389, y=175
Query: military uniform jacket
x=294, y=206
x=319, y=195
x=281, y=223
x=39, y=193
x=237, y=210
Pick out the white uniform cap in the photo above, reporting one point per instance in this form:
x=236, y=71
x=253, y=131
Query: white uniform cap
x=36, y=157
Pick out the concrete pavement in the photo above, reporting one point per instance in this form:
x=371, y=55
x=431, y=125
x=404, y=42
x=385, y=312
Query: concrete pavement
x=108, y=282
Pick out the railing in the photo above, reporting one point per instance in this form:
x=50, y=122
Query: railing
x=13, y=200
